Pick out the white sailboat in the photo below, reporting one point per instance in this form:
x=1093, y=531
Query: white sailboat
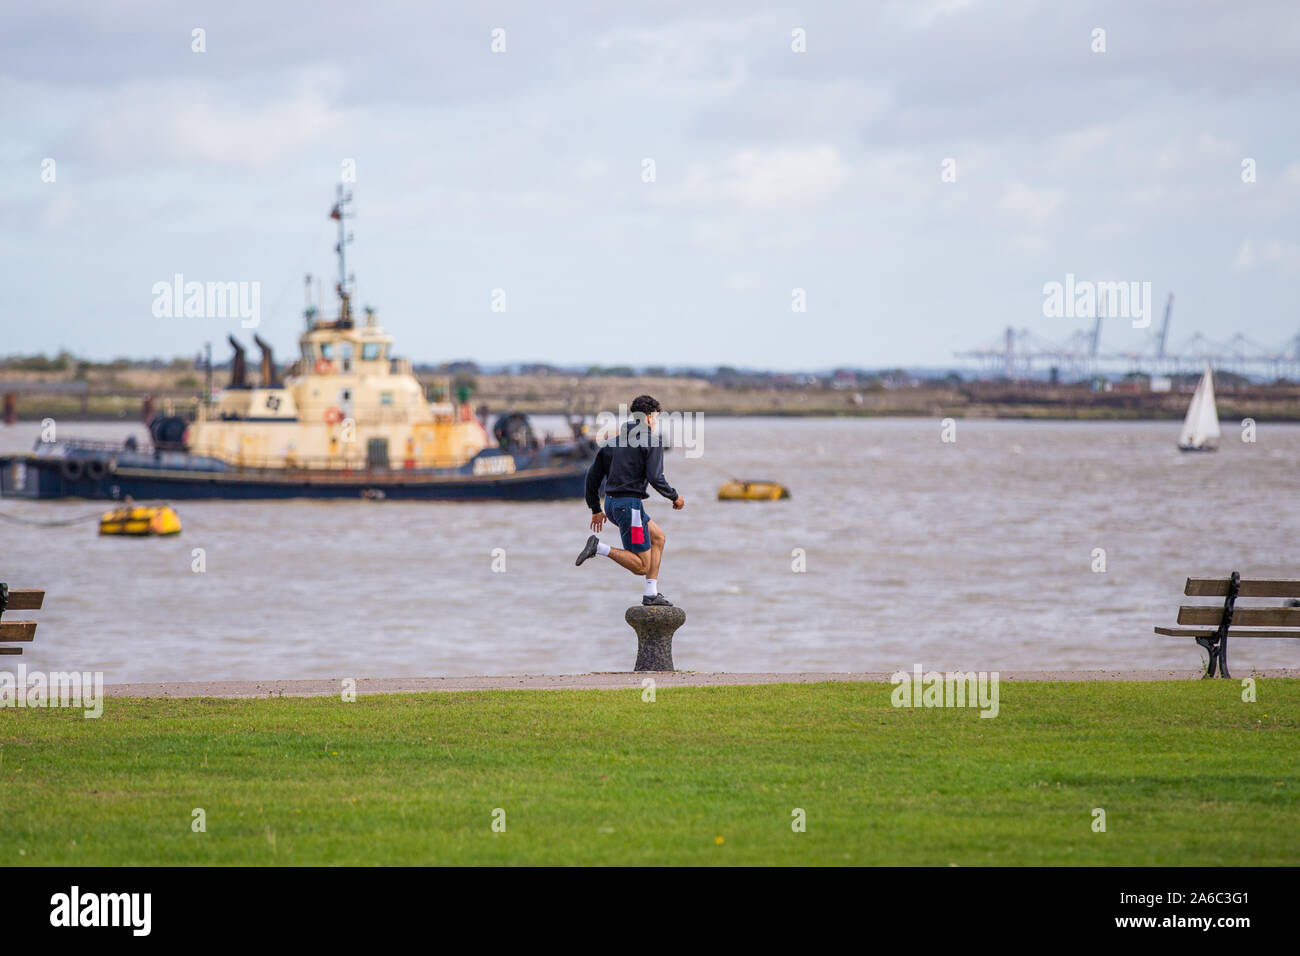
x=1201, y=426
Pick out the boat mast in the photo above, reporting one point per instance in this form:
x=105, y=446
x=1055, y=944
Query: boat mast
x=308, y=310
x=340, y=212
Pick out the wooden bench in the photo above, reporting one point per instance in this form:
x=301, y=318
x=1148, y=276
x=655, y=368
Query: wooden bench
x=17, y=632
x=1213, y=624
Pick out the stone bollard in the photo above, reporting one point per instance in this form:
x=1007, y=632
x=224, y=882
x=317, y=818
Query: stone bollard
x=654, y=628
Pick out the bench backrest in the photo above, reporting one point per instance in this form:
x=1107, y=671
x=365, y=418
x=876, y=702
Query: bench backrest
x=25, y=600
x=1249, y=587
x=19, y=632
x=1212, y=614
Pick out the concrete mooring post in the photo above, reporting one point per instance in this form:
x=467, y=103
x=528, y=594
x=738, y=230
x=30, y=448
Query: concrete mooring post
x=654, y=628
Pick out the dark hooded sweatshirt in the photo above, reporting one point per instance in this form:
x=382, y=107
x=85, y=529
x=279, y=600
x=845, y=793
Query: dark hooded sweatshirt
x=625, y=464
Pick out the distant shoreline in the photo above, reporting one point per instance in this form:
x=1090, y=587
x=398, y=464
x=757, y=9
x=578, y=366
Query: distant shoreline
x=975, y=413
x=122, y=397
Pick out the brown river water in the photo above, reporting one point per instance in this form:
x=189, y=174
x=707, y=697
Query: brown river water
x=976, y=554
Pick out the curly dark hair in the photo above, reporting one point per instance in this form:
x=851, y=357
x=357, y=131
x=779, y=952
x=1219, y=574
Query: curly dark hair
x=645, y=405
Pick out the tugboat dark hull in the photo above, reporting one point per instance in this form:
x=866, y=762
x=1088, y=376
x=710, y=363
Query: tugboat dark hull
x=37, y=476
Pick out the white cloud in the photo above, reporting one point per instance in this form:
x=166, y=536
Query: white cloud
x=923, y=14
x=694, y=59
x=591, y=168
x=1080, y=143
x=743, y=281
x=1035, y=206
x=199, y=123
x=1263, y=254
x=756, y=179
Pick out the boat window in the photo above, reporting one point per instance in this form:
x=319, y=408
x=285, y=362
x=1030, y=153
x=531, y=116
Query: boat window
x=371, y=351
x=385, y=398
x=347, y=356
x=308, y=353
x=327, y=351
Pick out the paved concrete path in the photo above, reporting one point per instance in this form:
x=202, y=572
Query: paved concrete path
x=602, y=681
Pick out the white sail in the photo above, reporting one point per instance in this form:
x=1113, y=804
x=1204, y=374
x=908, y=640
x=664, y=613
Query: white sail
x=1201, y=426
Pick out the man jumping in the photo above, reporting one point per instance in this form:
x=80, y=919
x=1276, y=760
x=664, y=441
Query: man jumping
x=625, y=464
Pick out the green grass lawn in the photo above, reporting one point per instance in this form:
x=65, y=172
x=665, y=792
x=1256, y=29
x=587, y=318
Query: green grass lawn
x=1186, y=772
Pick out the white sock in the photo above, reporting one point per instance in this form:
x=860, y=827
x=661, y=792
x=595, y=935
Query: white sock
x=651, y=587
x=602, y=549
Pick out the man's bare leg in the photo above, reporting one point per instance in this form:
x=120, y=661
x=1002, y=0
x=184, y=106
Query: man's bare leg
x=657, y=541
x=637, y=563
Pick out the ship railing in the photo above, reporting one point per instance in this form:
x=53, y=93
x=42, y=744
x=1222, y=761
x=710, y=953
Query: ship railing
x=380, y=415
x=80, y=444
x=281, y=464
x=365, y=415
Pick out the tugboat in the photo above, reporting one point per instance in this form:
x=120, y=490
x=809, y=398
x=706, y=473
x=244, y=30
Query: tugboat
x=348, y=420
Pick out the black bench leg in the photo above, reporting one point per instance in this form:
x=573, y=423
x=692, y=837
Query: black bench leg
x=1217, y=644
x=1218, y=651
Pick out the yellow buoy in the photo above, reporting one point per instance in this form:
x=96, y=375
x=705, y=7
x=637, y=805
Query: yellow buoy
x=140, y=521
x=752, y=491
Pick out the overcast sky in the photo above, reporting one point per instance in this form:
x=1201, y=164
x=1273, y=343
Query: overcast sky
x=775, y=170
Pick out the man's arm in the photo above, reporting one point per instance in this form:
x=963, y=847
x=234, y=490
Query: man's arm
x=595, y=475
x=654, y=472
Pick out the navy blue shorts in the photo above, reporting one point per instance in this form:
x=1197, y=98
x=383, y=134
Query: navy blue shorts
x=633, y=523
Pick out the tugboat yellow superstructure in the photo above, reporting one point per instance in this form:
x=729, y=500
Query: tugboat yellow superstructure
x=347, y=404
x=346, y=419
